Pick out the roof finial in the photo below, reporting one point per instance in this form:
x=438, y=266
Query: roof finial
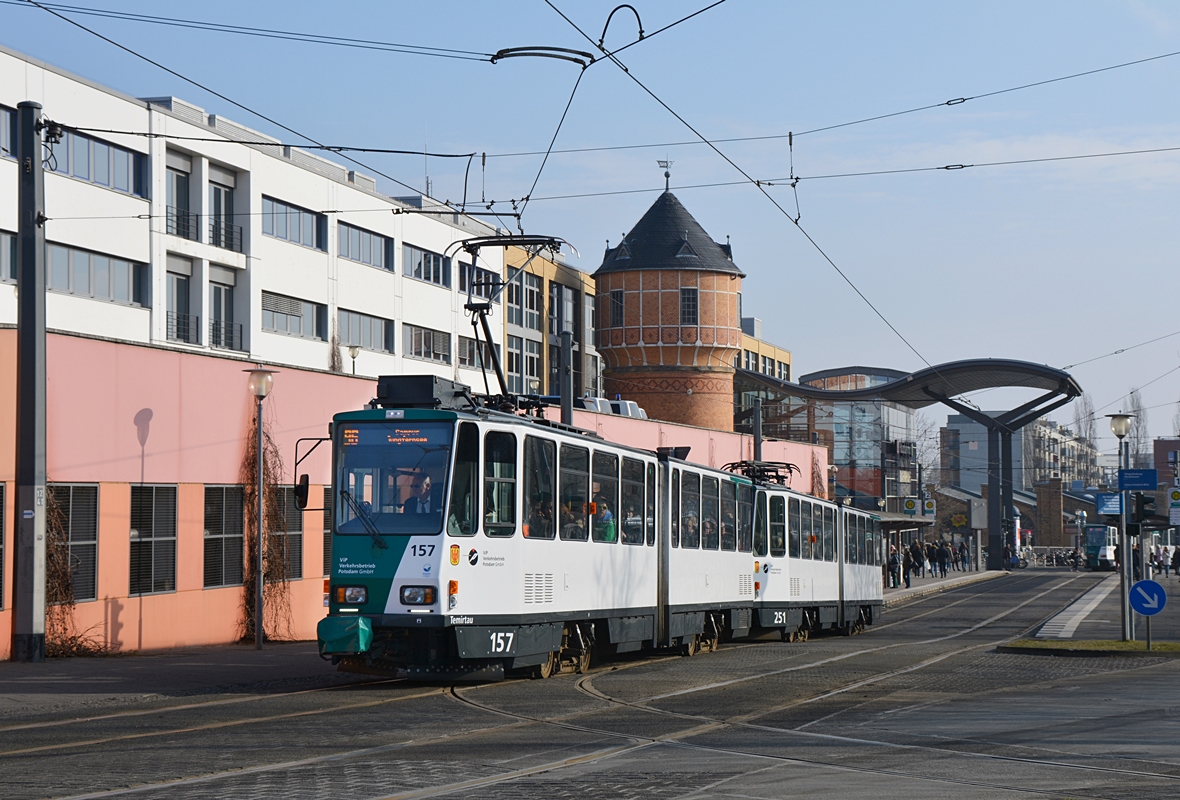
x=665, y=165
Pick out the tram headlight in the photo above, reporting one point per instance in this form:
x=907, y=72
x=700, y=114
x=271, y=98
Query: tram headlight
x=352, y=595
x=418, y=595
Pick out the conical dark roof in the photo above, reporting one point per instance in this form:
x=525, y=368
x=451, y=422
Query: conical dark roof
x=667, y=237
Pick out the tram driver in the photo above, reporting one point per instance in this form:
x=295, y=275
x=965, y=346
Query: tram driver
x=420, y=500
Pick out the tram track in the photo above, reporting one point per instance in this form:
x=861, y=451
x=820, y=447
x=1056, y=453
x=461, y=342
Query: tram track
x=698, y=725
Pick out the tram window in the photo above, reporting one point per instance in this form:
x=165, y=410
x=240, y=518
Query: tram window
x=540, y=478
x=499, y=483
x=829, y=534
x=817, y=532
x=651, y=505
x=575, y=492
x=463, y=517
x=860, y=540
x=604, y=507
x=690, y=489
x=876, y=542
x=849, y=537
x=805, y=529
x=794, y=526
x=675, y=520
x=728, y=515
x=710, y=534
x=745, y=518
x=760, y=525
x=631, y=518
x=391, y=477
x=778, y=527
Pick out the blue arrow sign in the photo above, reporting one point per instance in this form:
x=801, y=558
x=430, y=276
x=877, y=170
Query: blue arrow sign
x=1148, y=598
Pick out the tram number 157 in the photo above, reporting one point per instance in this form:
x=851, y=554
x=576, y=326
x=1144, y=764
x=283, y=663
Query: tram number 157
x=421, y=549
x=502, y=642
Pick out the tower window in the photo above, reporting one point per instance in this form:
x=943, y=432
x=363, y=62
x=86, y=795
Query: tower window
x=688, y=306
x=616, y=308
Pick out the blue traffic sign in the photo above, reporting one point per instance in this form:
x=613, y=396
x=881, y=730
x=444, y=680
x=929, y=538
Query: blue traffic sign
x=1135, y=480
x=1148, y=598
x=1110, y=504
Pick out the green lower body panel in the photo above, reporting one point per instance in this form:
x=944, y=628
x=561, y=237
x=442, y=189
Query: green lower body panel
x=344, y=635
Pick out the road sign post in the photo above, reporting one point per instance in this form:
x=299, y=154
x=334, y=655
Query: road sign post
x=1148, y=598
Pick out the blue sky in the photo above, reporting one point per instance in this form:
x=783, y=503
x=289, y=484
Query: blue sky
x=1053, y=263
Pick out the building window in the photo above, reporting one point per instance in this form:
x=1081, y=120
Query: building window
x=293, y=224
x=515, y=303
x=74, y=510
x=484, y=284
x=426, y=266
x=364, y=247
x=751, y=361
x=7, y=257
x=561, y=310
x=427, y=344
x=532, y=302
x=688, y=306
x=784, y=371
x=223, y=232
x=514, y=371
x=532, y=364
x=153, y=539
x=768, y=366
x=371, y=333
x=100, y=163
x=281, y=314
x=616, y=308
x=181, y=221
x=7, y=133
x=95, y=275
x=473, y=353
x=290, y=538
x=223, y=331
x=224, y=517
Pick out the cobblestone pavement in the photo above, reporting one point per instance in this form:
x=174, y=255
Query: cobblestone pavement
x=920, y=706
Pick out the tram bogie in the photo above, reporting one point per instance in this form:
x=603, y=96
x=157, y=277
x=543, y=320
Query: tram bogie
x=473, y=544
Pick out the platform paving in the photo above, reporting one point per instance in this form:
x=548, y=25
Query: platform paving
x=1102, y=620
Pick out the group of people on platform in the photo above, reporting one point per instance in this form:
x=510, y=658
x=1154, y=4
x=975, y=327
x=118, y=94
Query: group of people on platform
x=926, y=559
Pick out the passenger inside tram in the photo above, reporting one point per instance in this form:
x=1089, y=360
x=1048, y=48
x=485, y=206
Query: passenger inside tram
x=604, y=520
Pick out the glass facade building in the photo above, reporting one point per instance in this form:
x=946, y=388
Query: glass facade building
x=870, y=441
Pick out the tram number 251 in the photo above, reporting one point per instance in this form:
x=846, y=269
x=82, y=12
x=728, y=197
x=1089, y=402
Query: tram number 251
x=501, y=641
x=780, y=618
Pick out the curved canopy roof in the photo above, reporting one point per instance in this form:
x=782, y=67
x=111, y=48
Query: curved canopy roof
x=667, y=237
x=928, y=386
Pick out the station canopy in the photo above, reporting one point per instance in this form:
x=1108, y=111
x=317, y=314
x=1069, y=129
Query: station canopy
x=935, y=384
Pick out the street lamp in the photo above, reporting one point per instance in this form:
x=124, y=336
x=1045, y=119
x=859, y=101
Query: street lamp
x=260, y=383
x=354, y=351
x=1120, y=426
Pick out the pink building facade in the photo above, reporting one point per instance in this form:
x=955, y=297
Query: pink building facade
x=122, y=416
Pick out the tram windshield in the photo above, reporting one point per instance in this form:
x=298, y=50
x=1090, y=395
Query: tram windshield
x=391, y=477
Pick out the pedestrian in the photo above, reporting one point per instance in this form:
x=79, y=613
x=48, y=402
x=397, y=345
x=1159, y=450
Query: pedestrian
x=944, y=557
x=1007, y=558
x=907, y=566
x=1135, y=568
x=1176, y=561
x=894, y=568
x=965, y=555
x=916, y=554
x=932, y=559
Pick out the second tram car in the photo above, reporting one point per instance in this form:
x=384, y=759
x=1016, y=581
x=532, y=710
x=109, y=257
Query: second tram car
x=467, y=542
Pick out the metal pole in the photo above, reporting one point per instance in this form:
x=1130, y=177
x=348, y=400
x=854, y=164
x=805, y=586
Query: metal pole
x=260, y=536
x=566, y=377
x=28, y=596
x=757, y=428
x=1128, y=622
x=995, y=502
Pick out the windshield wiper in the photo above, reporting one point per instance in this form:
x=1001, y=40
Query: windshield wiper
x=365, y=519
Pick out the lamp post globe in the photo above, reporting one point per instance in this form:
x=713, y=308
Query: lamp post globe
x=354, y=351
x=261, y=382
x=1120, y=424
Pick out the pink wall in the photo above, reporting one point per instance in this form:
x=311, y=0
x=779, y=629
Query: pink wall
x=120, y=414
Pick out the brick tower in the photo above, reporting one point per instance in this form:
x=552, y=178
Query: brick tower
x=668, y=326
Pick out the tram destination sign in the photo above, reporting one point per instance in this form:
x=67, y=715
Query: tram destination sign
x=1134, y=480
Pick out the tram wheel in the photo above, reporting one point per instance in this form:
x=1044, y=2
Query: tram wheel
x=547, y=668
x=692, y=646
x=582, y=664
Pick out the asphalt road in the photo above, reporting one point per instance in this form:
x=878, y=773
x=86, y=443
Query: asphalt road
x=920, y=706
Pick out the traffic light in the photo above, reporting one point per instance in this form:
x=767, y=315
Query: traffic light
x=1144, y=506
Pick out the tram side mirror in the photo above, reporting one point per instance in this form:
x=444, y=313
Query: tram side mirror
x=301, y=491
